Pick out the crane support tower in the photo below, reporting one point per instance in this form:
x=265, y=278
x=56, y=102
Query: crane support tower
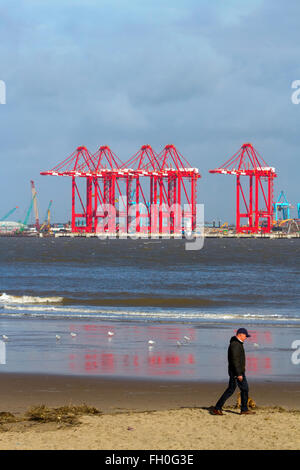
x=254, y=211
x=144, y=195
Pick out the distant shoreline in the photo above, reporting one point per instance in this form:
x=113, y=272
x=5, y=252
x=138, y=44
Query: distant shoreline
x=143, y=236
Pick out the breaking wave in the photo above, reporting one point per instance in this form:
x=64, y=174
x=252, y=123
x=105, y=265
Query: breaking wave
x=117, y=301
x=28, y=299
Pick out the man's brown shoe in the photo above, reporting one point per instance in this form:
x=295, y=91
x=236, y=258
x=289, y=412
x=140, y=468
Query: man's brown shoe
x=248, y=412
x=217, y=412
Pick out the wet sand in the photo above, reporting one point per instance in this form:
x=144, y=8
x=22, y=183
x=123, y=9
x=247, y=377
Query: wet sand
x=139, y=414
x=19, y=391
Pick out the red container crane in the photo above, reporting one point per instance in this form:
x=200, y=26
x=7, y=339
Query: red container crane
x=102, y=203
x=78, y=165
x=256, y=206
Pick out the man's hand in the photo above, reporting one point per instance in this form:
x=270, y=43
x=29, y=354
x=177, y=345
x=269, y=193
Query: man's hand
x=240, y=378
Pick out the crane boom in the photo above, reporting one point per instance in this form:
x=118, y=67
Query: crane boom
x=8, y=214
x=34, y=198
x=48, y=215
x=47, y=219
x=29, y=210
x=25, y=221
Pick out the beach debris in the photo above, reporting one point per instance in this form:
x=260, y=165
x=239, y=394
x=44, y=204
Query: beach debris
x=63, y=415
x=110, y=333
x=130, y=428
x=57, y=337
x=6, y=417
x=73, y=334
x=5, y=337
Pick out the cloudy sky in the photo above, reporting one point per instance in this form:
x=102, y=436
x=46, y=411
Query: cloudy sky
x=205, y=75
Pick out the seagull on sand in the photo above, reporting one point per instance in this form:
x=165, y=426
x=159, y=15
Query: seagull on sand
x=73, y=334
x=57, y=337
x=110, y=333
x=5, y=337
x=151, y=342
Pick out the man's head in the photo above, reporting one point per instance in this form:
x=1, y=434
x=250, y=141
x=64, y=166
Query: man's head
x=242, y=334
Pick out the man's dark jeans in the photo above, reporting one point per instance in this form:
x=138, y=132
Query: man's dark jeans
x=233, y=382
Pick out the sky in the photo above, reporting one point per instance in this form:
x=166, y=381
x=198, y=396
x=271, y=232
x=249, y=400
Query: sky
x=204, y=75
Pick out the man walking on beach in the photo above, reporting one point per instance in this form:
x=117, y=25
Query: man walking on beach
x=236, y=371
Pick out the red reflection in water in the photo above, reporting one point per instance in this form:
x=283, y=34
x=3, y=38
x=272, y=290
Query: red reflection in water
x=268, y=364
x=99, y=357
x=160, y=364
x=155, y=364
x=109, y=363
x=258, y=365
x=268, y=337
x=252, y=364
x=137, y=363
x=190, y=359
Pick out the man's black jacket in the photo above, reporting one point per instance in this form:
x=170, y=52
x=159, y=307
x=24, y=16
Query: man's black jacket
x=236, y=357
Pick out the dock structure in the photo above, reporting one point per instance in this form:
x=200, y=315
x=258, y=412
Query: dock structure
x=165, y=236
x=150, y=194
x=254, y=211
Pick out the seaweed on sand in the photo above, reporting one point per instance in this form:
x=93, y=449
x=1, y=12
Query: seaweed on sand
x=6, y=417
x=67, y=414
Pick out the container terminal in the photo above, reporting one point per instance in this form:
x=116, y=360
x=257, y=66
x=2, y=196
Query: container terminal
x=154, y=195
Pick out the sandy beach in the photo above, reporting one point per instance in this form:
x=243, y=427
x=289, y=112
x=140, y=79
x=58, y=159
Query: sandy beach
x=185, y=429
x=148, y=415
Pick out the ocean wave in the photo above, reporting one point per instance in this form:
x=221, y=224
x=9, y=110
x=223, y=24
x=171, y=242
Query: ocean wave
x=117, y=301
x=169, y=315
x=28, y=299
x=151, y=301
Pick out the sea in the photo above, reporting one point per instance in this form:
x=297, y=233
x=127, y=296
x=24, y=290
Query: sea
x=149, y=309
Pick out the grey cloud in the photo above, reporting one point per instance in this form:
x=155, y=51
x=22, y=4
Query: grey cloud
x=129, y=73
